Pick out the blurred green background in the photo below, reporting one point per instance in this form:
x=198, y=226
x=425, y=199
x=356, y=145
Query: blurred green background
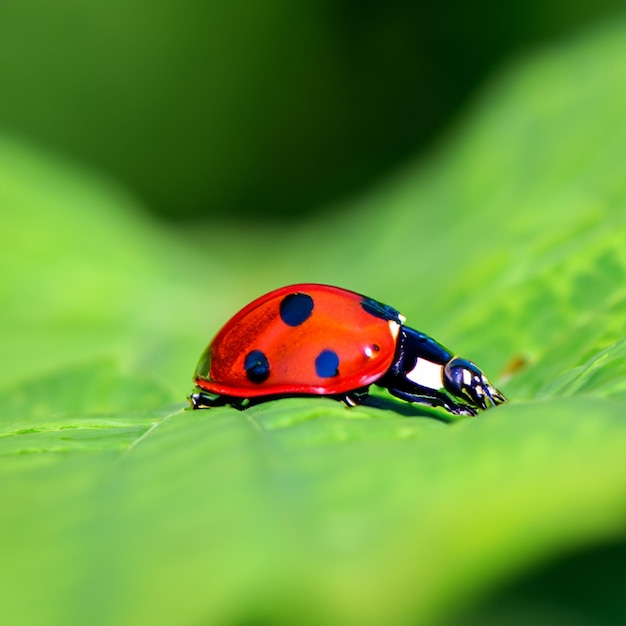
x=266, y=109
x=161, y=165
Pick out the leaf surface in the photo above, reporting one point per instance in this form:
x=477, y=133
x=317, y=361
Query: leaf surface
x=121, y=506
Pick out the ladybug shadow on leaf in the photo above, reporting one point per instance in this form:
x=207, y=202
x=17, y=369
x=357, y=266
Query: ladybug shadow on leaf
x=373, y=401
x=406, y=409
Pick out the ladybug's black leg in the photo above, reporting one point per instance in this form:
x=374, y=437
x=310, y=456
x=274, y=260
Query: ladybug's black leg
x=434, y=398
x=349, y=400
x=354, y=398
x=202, y=400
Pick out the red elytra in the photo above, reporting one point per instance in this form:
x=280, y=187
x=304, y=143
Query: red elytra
x=301, y=339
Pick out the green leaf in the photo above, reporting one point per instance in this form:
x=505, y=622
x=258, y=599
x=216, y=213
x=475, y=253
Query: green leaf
x=121, y=506
x=92, y=407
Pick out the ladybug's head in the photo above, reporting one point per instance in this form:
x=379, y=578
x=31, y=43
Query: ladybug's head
x=465, y=380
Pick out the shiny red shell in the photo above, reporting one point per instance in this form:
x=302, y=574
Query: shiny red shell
x=342, y=327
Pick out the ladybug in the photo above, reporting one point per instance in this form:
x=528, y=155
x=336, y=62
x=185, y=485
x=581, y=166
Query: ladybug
x=310, y=339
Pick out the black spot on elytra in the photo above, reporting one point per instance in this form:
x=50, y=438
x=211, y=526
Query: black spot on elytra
x=296, y=308
x=378, y=309
x=257, y=366
x=327, y=364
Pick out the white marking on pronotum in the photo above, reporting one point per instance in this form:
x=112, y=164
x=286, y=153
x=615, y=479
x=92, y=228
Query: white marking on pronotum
x=368, y=352
x=427, y=374
x=394, y=327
